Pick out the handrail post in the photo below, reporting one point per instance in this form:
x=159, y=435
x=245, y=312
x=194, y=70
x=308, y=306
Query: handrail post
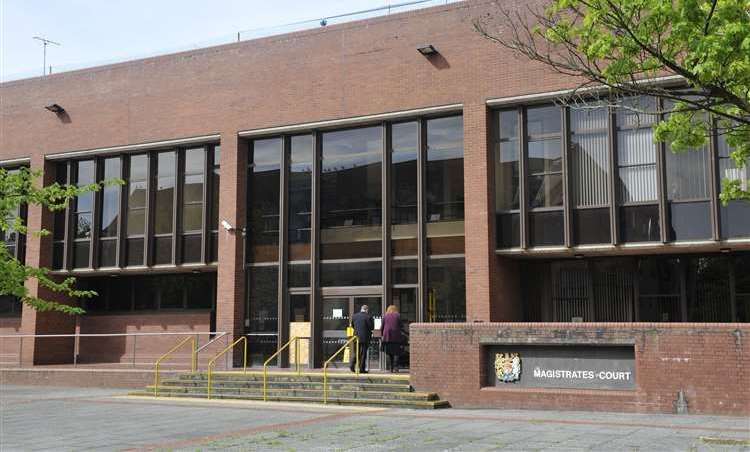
x=224, y=352
x=135, y=339
x=75, y=350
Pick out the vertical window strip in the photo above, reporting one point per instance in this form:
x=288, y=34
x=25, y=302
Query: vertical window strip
x=589, y=143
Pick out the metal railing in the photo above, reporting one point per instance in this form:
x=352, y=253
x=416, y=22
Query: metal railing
x=354, y=339
x=295, y=339
x=193, y=364
x=213, y=361
x=133, y=346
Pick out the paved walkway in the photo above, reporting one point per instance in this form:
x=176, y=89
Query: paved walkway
x=42, y=418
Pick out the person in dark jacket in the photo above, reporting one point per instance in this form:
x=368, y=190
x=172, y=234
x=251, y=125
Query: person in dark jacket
x=392, y=336
x=363, y=325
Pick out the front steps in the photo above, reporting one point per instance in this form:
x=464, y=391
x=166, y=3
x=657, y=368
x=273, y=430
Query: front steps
x=343, y=389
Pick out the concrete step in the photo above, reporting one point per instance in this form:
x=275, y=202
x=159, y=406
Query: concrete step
x=272, y=383
x=304, y=377
x=297, y=392
x=414, y=404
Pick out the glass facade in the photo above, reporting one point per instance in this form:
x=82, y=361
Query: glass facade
x=125, y=294
x=317, y=207
x=158, y=217
x=679, y=288
x=609, y=183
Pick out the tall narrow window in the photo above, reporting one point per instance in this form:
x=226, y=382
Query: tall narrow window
x=735, y=216
x=300, y=208
x=164, y=180
x=545, y=178
x=83, y=215
x=350, y=205
x=636, y=153
x=136, y=215
x=507, y=180
x=688, y=194
x=404, y=192
x=444, y=186
x=192, y=205
x=58, y=234
x=213, y=218
x=110, y=214
x=11, y=238
x=589, y=154
x=263, y=200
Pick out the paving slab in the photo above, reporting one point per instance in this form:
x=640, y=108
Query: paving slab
x=51, y=418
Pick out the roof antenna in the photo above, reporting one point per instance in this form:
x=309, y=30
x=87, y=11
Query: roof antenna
x=46, y=42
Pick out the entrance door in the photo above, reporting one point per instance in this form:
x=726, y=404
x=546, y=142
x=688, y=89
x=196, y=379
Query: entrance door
x=337, y=314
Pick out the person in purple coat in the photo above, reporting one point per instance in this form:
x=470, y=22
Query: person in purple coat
x=392, y=336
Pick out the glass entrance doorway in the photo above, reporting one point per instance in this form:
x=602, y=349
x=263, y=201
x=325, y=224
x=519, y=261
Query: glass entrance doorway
x=337, y=315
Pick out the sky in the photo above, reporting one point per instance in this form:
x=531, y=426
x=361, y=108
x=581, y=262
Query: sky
x=94, y=32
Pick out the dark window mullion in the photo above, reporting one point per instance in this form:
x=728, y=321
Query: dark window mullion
x=421, y=226
x=68, y=244
x=713, y=180
x=177, y=197
x=316, y=357
x=208, y=163
x=283, y=291
x=148, y=238
x=661, y=181
x=524, y=180
x=95, y=213
x=386, y=212
x=614, y=177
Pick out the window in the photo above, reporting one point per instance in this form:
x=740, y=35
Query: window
x=507, y=180
x=444, y=185
x=58, y=235
x=110, y=214
x=83, y=215
x=735, y=216
x=589, y=154
x=263, y=200
x=13, y=240
x=636, y=153
x=262, y=313
x=300, y=199
x=136, y=215
x=125, y=294
x=404, y=190
x=350, y=201
x=164, y=180
x=446, y=290
x=213, y=219
x=192, y=204
x=545, y=176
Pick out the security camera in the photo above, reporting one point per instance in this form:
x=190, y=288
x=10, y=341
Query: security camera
x=227, y=226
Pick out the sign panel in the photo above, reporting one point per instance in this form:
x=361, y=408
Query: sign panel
x=563, y=366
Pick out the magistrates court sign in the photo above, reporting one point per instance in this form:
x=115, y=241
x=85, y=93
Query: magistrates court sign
x=566, y=366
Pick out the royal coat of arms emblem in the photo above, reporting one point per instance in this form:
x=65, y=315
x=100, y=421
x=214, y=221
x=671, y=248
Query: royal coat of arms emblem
x=507, y=367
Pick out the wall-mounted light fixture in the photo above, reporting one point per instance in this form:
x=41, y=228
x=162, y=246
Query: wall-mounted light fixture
x=726, y=250
x=427, y=50
x=55, y=108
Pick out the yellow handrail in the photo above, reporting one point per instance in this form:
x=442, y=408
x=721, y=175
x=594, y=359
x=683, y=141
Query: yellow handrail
x=325, y=365
x=295, y=339
x=213, y=360
x=193, y=360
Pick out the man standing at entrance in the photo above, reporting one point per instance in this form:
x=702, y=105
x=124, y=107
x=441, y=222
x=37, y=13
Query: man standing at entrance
x=363, y=325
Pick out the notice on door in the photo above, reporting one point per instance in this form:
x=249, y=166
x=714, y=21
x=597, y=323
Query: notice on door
x=563, y=366
x=338, y=313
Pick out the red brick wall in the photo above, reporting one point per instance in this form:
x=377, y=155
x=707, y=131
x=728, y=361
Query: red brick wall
x=710, y=362
x=147, y=349
x=9, y=347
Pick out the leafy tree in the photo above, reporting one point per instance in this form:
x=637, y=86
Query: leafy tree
x=18, y=188
x=632, y=47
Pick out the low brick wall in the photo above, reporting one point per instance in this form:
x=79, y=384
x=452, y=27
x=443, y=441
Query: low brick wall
x=709, y=362
x=88, y=378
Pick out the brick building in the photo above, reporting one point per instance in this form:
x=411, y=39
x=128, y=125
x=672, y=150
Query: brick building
x=274, y=186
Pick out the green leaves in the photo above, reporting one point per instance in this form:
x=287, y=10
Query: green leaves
x=18, y=188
